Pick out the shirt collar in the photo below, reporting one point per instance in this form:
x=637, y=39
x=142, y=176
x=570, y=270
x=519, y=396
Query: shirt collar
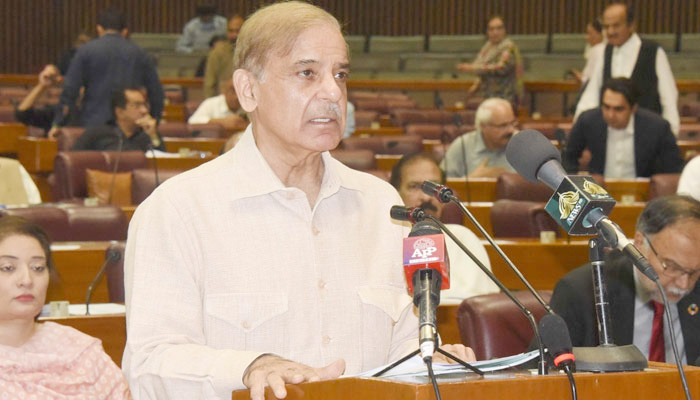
x=253, y=176
x=627, y=130
x=633, y=42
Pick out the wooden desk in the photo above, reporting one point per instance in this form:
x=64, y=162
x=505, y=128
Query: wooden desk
x=624, y=215
x=111, y=329
x=37, y=154
x=10, y=132
x=181, y=163
x=211, y=145
x=662, y=382
x=381, y=131
x=473, y=189
x=688, y=148
x=638, y=187
x=76, y=264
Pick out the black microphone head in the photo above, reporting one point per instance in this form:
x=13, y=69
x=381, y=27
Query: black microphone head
x=434, y=189
x=528, y=150
x=425, y=227
x=555, y=337
x=697, y=362
x=403, y=213
x=113, y=255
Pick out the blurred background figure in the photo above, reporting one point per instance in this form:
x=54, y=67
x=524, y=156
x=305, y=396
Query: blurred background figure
x=82, y=38
x=199, y=30
x=220, y=59
x=223, y=109
x=595, y=45
x=498, y=65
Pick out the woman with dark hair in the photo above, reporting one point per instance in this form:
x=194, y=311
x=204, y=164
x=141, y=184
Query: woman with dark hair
x=46, y=360
x=498, y=65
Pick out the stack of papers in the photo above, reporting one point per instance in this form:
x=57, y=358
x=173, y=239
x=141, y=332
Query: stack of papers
x=416, y=367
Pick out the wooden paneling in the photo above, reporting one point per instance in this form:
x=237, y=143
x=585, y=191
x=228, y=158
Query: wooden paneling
x=36, y=32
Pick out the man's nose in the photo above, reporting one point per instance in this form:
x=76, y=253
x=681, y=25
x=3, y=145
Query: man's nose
x=330, y=88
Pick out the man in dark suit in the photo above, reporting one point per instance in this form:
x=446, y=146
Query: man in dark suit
x=625, y=141
x=668, y=235
x=103, y=65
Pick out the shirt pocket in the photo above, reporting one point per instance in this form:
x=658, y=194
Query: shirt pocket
x=381, y=308
x=248, y=321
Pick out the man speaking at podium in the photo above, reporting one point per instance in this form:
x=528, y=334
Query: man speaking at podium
x=668, y=235
x=273, y=263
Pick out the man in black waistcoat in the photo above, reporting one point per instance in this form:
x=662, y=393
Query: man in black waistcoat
x=643, y=61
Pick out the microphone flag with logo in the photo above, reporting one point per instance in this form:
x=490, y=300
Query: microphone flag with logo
x=425, y=248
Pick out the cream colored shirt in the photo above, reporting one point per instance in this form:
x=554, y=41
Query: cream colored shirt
x=622, y=63
x=224, y=263
x=619, y=152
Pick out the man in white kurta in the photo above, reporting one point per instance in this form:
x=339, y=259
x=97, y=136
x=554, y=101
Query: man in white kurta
x=273, y=263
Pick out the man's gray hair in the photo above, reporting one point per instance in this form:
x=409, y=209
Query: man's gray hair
x=485, y=110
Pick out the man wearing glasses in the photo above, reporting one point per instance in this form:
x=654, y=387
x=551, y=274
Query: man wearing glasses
x=668, y=235
x=482, y=153
x=132, y=127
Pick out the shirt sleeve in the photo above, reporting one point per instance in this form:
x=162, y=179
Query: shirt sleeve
x=72, y=83
x=156, y=96
x=166, y=355
x=574, y=147
x=202, y=114
x=590, y=98
x=689, y=182
x=668, y=92
x=453, y=162
x=186, y=40
x=33, y=194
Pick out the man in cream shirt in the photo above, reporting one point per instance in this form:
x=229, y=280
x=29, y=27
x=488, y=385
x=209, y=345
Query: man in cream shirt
x=273, y=263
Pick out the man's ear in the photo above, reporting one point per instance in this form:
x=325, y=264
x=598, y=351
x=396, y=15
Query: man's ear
x=639, y=240
x=125, y=32
x=246, y=89
x=100, y=30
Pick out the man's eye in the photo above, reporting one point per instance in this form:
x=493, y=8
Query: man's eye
x=39, y=268
x=7, y=268
x=342, y=75
x=306, y=73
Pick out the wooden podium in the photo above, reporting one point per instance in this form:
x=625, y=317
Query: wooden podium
x=660, y=381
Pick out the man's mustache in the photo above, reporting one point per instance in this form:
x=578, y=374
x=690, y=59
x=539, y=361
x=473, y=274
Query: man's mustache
x=428, y=206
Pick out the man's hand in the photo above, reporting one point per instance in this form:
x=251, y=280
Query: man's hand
x=273, y=371
x=483, y=171
x=49, y=75
x=54, y=132
x=465, y=67
x=148, y=124
x=460, y=351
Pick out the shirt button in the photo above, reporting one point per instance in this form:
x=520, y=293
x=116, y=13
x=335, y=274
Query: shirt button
x=326, y=339
x=245, y=325
x=315, y=231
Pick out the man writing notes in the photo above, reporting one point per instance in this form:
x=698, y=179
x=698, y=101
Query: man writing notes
x=273, y=263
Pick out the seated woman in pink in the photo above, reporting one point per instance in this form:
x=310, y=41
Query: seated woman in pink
x=44, y=361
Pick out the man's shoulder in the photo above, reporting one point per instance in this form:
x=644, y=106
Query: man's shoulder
x=649, y=117
x=592, y=115
x=222, y=47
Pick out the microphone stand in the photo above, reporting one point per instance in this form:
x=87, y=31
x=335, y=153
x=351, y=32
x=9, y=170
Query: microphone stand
x=445, y=195
x=606, y=357
x=541, y=365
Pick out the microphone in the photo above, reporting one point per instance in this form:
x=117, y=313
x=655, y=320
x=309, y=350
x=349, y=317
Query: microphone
x=116, y=166
x=406, y=212
x=578, y=204
x=555, y=335
x=427, y=270
x=413, y=215
x=112, y=256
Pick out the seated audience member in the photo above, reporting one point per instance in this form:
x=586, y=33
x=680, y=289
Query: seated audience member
x=44, y=360
x=689, y=182
x=132, y=128
x=466, y=279
x=199, y=30
x=16, y=185
x=276, y=263
x=482, y=153
x=202, y=66
x=220, y=59
x=668, y=235
x=42, y=117
x=625, y=141
x=223, y=109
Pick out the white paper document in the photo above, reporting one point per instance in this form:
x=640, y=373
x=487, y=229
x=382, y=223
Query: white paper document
x=416, y=367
